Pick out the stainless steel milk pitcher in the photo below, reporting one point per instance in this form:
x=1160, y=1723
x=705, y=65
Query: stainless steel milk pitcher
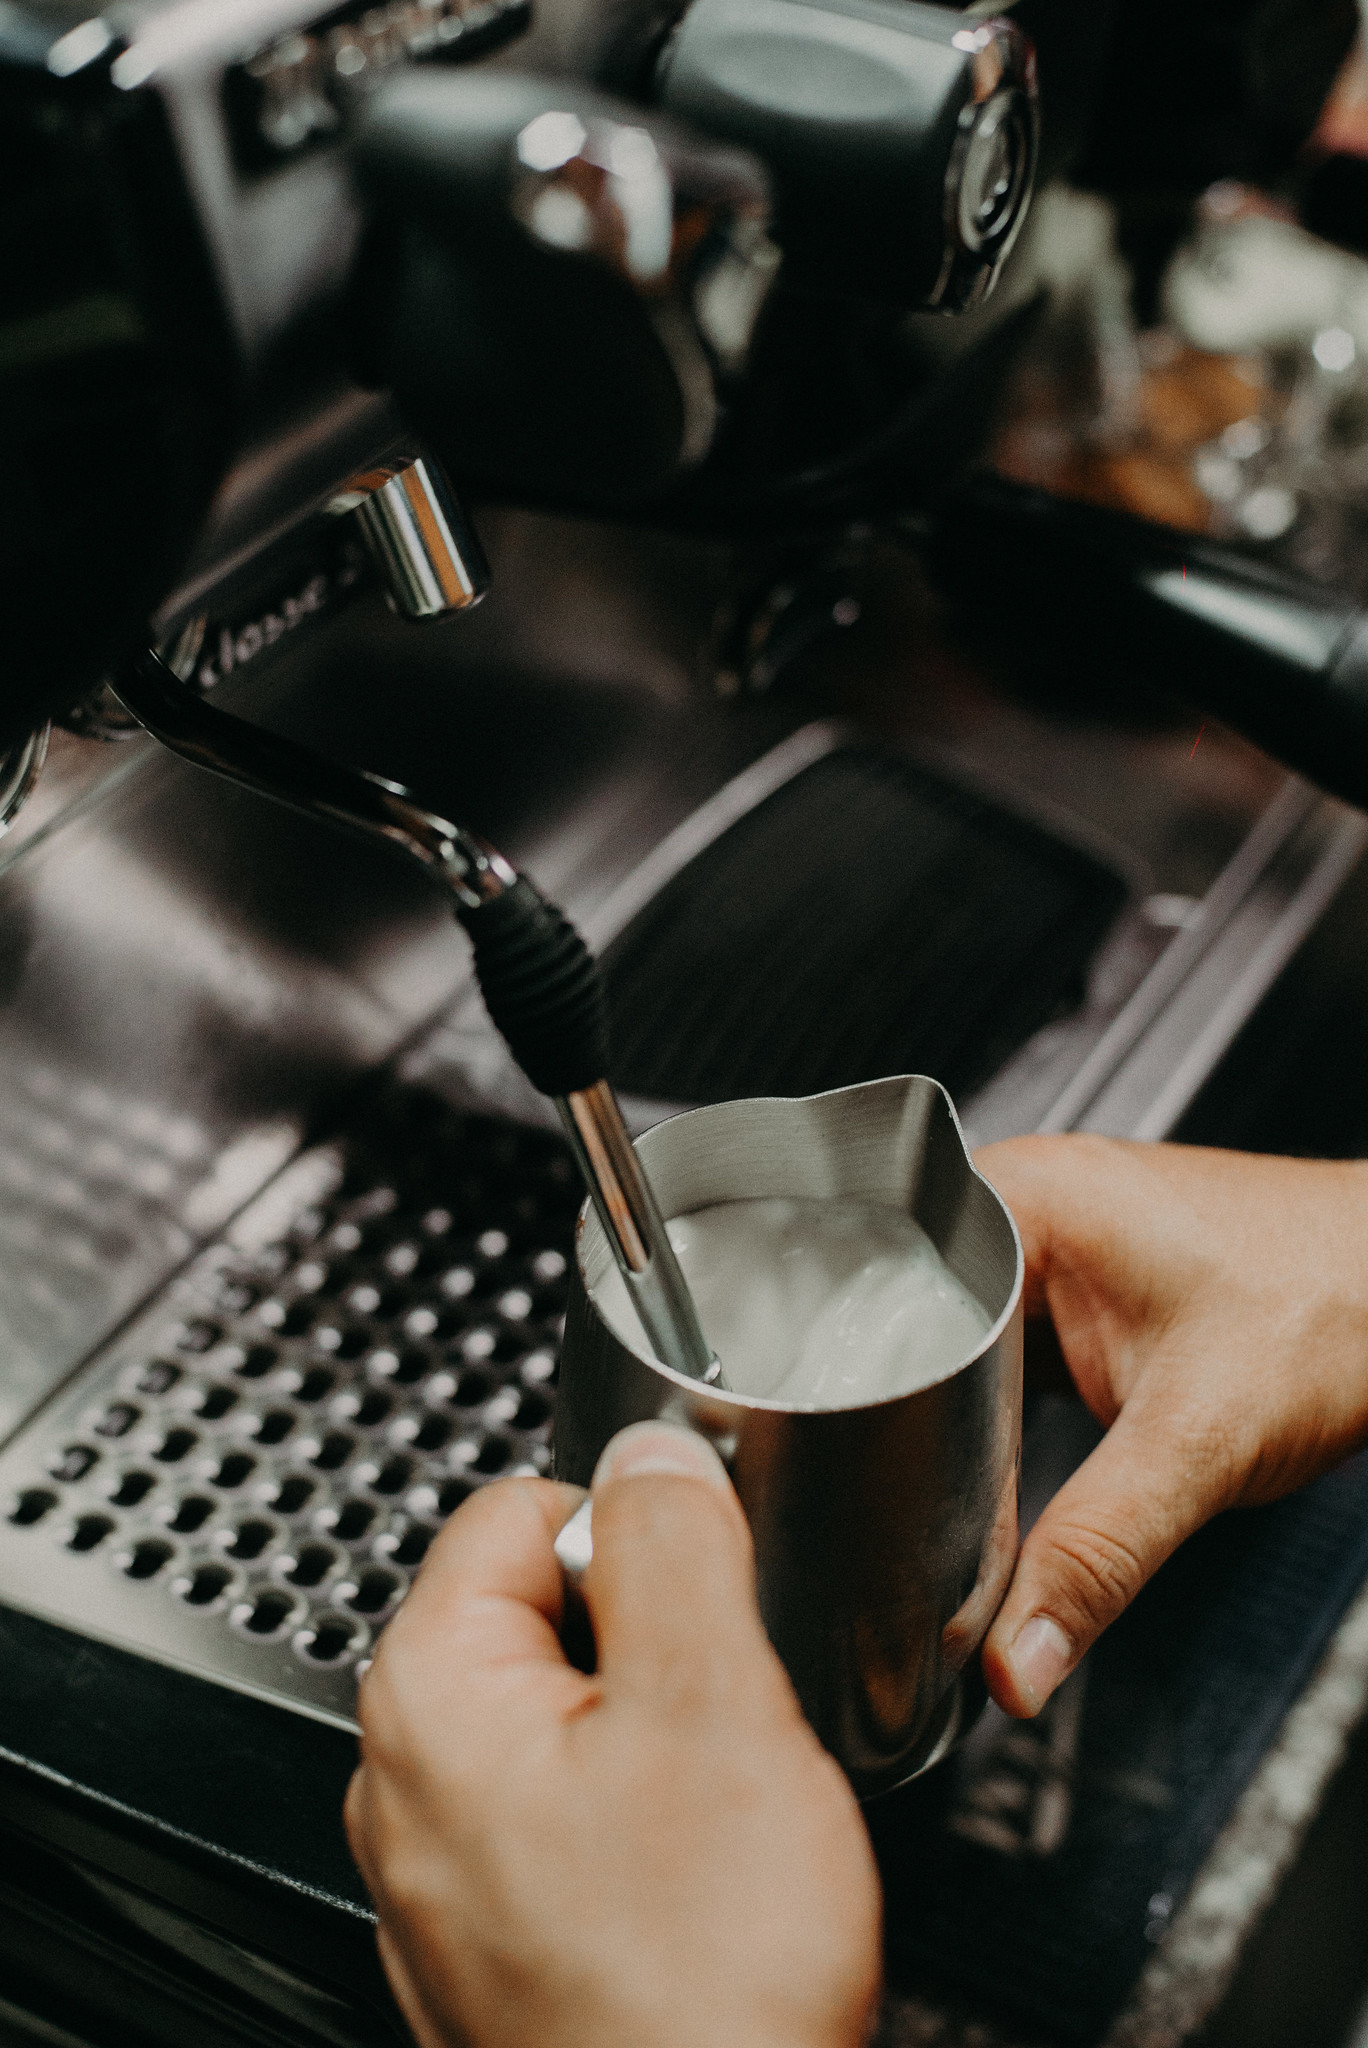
x=884, y=1534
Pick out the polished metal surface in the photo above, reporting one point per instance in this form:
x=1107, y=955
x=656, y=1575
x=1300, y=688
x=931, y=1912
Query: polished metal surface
x=610, y=189
x=629, y=1214
x=177, y=715
x=884, y=1534
x=1176, y=982
x=425, y=548
x=243, y=1483
x=991, y=172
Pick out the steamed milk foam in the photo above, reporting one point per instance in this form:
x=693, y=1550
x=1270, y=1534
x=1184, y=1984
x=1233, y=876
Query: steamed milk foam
x=819, y=1304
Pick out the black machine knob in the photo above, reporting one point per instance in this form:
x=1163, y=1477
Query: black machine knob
x=902, y=138
x=556, y=283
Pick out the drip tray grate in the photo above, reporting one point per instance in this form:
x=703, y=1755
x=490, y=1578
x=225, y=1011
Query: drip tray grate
x=867, y=918
x=243, y=1482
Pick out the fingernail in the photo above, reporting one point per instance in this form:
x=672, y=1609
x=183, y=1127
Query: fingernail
x=1039, y=1657
x=646, y=1447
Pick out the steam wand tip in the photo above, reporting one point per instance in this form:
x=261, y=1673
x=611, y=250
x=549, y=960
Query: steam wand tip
x=543, y=991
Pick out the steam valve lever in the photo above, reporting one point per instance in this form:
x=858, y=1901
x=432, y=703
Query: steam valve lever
x=538, y=978
x=430, y=561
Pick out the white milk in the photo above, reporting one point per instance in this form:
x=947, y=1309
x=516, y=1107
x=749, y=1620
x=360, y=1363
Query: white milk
x=819, y=1304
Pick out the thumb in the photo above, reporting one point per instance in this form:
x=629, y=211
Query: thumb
x=1126, y=1509
x=671, y=1587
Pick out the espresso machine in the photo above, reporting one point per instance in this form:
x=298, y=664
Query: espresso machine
x=445, y=427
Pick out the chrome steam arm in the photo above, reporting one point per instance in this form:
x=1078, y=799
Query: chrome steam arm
x=539, y=980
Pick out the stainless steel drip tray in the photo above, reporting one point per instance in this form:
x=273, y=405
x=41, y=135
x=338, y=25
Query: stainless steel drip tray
x=243, y=1482
x=243, y=1479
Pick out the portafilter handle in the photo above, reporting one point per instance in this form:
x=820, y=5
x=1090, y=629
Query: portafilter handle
x=1281, y=659
x=539, y=980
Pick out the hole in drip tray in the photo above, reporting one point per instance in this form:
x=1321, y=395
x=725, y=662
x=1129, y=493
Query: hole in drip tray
x=216, y=1404
x=432, y=1434
x=207, y=1583
x=158, y=1376
x=312, y=1565
x=132, y=1488
x=191, y=1513
x=266, y=1614
x=257, y=1363
x=494, y=1454
x=412, y=1546
x=334, y=1450
x=118, y=1419
x=340, y=1343
x=373, y=1590
x=249, y=1539
x=532, y=1411
x=452, y=1494
x=73, y=1463
x=293, y=1494
x=353, y=1520
x=233, y=1469
x=328, y=1640
x=276, y=1425
x=175, y=1445
x=33, y=1503
x=89, y=1531
x=473, y=1388
x=316, y=1382
x=394, y=1475
x=147, y=1558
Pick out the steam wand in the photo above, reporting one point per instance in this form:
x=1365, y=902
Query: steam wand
x=539, y=980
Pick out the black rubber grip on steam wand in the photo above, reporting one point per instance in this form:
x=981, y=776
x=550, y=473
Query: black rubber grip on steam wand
x=542, y=989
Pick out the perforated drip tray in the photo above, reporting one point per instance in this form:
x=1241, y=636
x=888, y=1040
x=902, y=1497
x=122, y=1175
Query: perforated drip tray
x=244, y=1481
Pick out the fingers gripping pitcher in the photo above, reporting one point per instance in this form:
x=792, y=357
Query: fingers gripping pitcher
x=883, y=1507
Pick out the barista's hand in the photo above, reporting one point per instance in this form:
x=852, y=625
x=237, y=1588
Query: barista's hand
x=661, y=1856
x=1212, y=1308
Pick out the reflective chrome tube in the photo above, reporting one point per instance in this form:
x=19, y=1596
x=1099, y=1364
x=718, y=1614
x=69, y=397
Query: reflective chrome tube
x=631, y=1218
